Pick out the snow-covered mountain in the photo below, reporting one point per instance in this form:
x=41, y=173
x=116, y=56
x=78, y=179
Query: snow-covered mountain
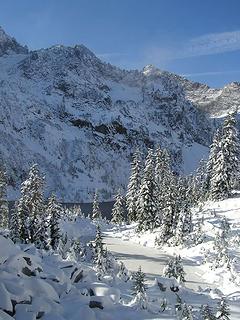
x=81, y=119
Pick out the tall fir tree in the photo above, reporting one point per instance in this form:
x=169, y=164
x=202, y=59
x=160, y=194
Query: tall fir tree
x=118, y=209
x=96, y=212
x=54, y=212
x=159, y=177
x=198, y=186
x=31, y=209
x=64, y=245
x=170, y=212
x=213, y=155
x=14, y=226
x=99, y=253
x=4, y=211
x=147, y=205
x=162, y=173
x=232, y=147
x=133, y=187
x=220, y=248
x=225, y=169
x=184, y=225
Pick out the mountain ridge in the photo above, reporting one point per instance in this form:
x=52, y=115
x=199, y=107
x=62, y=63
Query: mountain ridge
x=81, y=119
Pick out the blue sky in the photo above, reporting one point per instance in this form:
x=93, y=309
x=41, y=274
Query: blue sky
x=196, y=38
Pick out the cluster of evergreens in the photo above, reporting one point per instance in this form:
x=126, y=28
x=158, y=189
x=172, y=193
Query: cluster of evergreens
x=157, y=197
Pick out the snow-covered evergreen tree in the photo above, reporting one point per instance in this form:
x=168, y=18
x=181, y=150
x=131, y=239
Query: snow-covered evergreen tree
x=198, y=185
x=221, y=253
x=99, y=254
x=207, y=313
x=171, y=209
x=4, y=211
x=77, y=212
x=225, y=169
x=225, y=226
x=232, y=147
x=223, y=310
x=139, y=285
x=97, y=244
x=147, y=205
x=31, y=209
x=75, y=251
x=54, y=211
x=139, y=290
x=96, y=212
x=80, y=250
x=199, y=235
x=64, y=245
x=178, y=305
x=118, y=209
x=185, y=225
x=134, y=186
x=174, y=269
x=42, y=235
x=186, y=313
x=159, y=178
x=14, y=226
x=163, y=175
x=213, y=155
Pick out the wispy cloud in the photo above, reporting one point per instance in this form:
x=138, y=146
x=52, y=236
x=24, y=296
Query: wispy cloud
x=210, y=73
x=212, y=44
x=208, y=44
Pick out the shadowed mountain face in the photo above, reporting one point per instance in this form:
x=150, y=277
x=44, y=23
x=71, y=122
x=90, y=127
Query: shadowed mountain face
x=81, y=119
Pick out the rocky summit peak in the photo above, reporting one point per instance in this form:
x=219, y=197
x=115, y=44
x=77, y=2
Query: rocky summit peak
x=150, y=69
x=3, y=35
x=9, y=45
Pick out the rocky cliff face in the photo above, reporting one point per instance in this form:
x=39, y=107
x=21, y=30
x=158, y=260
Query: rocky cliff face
x=81, y=119
x=216, y=102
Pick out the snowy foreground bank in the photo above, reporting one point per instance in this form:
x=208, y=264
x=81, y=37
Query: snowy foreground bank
x=39, y=284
